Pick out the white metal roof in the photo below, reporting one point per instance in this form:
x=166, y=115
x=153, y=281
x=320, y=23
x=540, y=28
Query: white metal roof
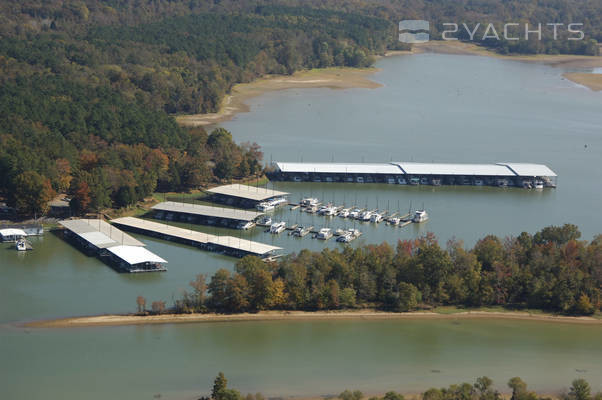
x=245, y=245
x=414, y=168
x=339, y=168
x=246, y=192
x=207, y=211
x=12, y=232
x=100, y=233
x=524, y=169
x=196, y=236
x=135, y=254
x=165, y=229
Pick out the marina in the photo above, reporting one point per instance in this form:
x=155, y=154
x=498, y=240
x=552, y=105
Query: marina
x=117, y=248
x=245, y=196
x=205, y=215
x=228, y=245
x=525, y=175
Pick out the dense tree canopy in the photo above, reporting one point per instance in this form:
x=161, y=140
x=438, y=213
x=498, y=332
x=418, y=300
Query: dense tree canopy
x=563, y=277
x=87, y=87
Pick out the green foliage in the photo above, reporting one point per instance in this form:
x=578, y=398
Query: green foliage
x=580, y=390
x=349, y=395
x=562, y=278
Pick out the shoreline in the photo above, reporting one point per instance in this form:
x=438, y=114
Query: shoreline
x=587, y=79
x=326, y=78
x=338, y=78
x=132, y=319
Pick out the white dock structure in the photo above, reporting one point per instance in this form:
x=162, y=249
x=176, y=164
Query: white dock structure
x=244, y=195
x=229, y=245
x=206, y=215
x=414, y=173
x=119, y=249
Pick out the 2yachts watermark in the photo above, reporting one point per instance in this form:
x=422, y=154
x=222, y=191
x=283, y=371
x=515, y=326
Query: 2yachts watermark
x=418, y=31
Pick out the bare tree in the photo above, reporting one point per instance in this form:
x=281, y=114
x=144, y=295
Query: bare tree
x=141, y=302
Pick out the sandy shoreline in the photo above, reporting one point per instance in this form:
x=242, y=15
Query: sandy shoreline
x=235, y=102
x=131, y=319
x=590, y=80
x=346, y=78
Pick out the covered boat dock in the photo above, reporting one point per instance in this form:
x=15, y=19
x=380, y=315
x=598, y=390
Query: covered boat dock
x=205, y=215
x=244, y=195
x=229, y=245
x=495, y=174
x=120, y=250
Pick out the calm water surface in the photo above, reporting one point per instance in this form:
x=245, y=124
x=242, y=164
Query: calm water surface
x=431, y=108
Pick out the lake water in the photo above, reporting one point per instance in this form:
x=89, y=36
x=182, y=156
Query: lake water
x=431, y=108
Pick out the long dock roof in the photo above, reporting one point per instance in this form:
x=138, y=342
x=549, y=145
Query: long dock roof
x=207, y=211
x=99, y=233
x=196, y=236
x=246, y=192
x=415, y=168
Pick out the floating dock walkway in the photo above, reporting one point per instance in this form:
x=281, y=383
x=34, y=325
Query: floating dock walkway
x=229, y=245
x=114, y=246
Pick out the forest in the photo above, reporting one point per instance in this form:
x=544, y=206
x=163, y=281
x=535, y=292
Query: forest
x=551, y=270
x=482, y=389
x=89, y=88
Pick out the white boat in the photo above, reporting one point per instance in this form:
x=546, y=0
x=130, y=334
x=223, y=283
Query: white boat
x=344, y=213
x=420, y=216
x=278, y=201
x=415, y=181
x=265, y=221
x=355, y=213
x=311, y=209
x=345, y=237
x=355, y=232
x=349, y=179
x=402, y=181
x=339, y=232
x=277, y=227
x=539, y=184
x=21, y=245
x=376, y=218
x=391, y=181
x=324, y=234
x=330, y=211
x=359, y=179
x=308, y=201
x=478, y=182
x=394, y=221
x=502, y=182
x=246, y=225
x=436, y=182
x=265, y=207
x=365, y=216
x=329, y=179
x=300, y=231
x=297, y=179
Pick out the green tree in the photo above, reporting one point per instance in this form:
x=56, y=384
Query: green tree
x=580, y=390
x=408, y=298
x=31, y=193
x=220, y=385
